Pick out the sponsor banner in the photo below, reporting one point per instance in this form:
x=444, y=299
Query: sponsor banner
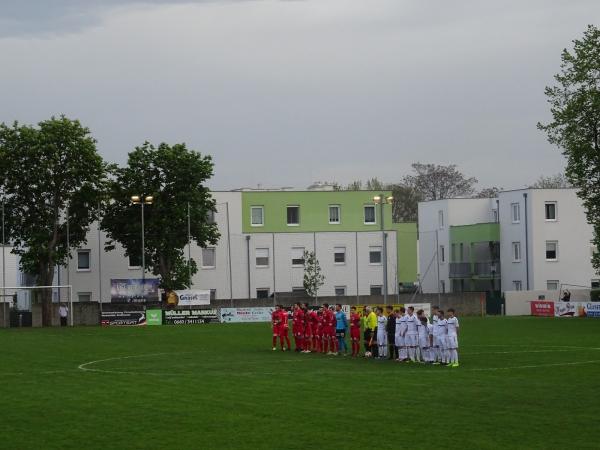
x=565, y=309
x=123, y=318
x=577, y=309
x=189, y=316
x=154, y=317
x=258, y=314
x=542, y=308
x=193, y=297
x=134, y=290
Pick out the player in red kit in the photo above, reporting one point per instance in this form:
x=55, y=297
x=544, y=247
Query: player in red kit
x=355, y=331
x=328, y=330
x=318, y=331
x=298, y=327
x=284, y=330
x=308, y=328
x=276, y=324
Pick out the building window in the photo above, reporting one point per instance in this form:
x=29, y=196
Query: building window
x=442, y=254
x=517, y=286
x=441, y=219
x=461, y=252
x=340, y=291
x=374, y=255
x=262, y=293
x=515, y=212
x=83, y=260
x=334, y=214
x=339, y=255
x=550, y=211
x=552, y=285
x=299, y=291
x=516, y=251
x=213, y=294
x=595, y=284
x=293, y=216
x=370, y=215
x=135, y=261
x=593, y=249
x=443, y=286
x=209, y=258
x=495, y=214
x=551, y=250
x=262, y=257
x=84, y=297
x=376, y=290
x=298, y=257
x=257, y=216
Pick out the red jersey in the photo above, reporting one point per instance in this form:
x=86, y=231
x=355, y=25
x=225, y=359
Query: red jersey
x=276, y=318
x=298, y=319
x=328, y=318
x=283, y=314
x=354, y=320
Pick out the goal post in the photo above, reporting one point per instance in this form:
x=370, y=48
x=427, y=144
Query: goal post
x=8, y=292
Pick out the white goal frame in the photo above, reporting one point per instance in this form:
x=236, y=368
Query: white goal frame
x=3, y=296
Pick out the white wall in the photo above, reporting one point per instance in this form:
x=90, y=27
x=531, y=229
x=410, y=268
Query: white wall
x=571, y=230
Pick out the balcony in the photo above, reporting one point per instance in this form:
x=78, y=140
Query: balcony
x=487, y=269
x=460, y=270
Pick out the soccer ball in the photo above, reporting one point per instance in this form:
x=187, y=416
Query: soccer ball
x=368, y=354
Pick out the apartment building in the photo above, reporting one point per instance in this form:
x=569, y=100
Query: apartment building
x=523, y=239
x=264, y=234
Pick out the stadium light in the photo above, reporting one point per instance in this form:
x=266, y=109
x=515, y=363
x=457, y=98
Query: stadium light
x=383, y=200
x=147, y=200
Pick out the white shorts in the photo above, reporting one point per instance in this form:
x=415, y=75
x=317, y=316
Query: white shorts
x=452, y=341
x=381, y=338
x=442, y=342
x=423, y=342
x=411, y=339
x=399, y=341
x=436, y=342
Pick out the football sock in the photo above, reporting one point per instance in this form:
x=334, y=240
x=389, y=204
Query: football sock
x=274, y=341
x=287, y=340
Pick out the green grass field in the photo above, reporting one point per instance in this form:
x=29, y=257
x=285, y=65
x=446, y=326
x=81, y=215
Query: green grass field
x=528, y=383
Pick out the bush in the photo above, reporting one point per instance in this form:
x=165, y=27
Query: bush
x=595, y=295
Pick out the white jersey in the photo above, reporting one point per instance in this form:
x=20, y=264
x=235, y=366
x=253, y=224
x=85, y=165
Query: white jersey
x=437, y=331
x=423, y=331
x=401, y=325
x=442, y=327
x=381, y=321
x=412, y=322
x=429, y=329
x=452, y=326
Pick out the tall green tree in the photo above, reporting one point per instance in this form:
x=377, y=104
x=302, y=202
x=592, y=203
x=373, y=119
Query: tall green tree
x=175, y=177
x=51, y=174
x=313, y=276
x=405, y=203
x=575, y=127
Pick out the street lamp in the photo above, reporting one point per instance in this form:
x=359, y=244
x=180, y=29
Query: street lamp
x=383, y=200
x=142, y=200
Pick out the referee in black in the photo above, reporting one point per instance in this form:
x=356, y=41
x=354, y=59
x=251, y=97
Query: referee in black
x=390, y=329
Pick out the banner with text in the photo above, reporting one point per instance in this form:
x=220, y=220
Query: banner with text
x=134, y=290
x=258, y=314
x=577, y=309
x=542, y=308
x=122, y=318
x=193, y=297
x=190, y=316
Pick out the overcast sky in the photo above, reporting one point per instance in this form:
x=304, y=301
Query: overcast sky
x=286, y=92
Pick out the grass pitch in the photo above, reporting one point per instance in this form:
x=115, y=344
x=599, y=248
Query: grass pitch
x=526, y=383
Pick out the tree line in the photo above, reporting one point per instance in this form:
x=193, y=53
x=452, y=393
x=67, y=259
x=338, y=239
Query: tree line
x=54, y=185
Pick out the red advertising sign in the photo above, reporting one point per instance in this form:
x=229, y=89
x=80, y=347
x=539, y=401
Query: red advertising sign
x=542, y=308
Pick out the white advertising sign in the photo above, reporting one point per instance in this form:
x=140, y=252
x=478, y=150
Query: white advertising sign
x=259, y=314
x=191, y=297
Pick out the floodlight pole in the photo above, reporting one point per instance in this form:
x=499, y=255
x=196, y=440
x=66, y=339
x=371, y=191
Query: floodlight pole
x=3, y=267
x=143, y=250
x=189, y=233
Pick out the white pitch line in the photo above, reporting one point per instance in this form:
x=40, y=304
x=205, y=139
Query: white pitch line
x=534, y=366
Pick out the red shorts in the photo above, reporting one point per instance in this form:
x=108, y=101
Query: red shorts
x=329, y=331
x=318, y=333
x=298, y=331
x=308, y=331
x=283, y=331
x=276, y=330
x=355, y=333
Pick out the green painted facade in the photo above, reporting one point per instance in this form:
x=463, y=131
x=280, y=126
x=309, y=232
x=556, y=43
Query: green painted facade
x=314, y=211
x=479, y=232
x=314, y=217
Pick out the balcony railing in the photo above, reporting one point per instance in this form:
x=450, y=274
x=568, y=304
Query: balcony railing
x=489, y=269
x=460, y=270
x=482, y=269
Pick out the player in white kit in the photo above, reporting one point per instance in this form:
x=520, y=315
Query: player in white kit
x=400, y=332
x=412, y=337
x=425, y=339
x=381, y=334
x=436, y=351
x=442, y=325
x=452, y=338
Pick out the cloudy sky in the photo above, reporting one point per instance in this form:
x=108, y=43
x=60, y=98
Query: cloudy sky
x=286, y=92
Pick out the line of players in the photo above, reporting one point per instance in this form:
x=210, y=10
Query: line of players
x=400, y=334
